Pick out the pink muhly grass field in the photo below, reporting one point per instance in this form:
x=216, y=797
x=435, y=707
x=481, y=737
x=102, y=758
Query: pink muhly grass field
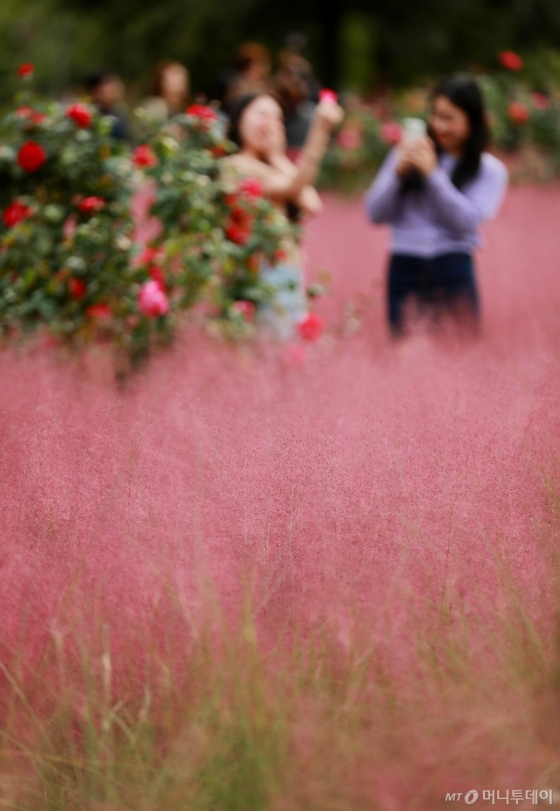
x=257, y=579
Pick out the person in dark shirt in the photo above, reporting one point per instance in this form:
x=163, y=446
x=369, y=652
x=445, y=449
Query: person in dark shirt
x=107, y=93
x=251, y=73
x=298, y=93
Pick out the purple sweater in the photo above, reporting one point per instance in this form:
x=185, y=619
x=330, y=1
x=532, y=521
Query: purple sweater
x=439, y=218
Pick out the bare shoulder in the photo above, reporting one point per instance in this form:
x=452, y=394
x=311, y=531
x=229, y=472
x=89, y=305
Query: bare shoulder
x=246, y=166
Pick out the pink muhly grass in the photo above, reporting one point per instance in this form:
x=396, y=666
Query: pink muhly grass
x=246, y=583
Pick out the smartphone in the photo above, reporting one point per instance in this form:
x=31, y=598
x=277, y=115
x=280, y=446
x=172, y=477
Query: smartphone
x=414, y=128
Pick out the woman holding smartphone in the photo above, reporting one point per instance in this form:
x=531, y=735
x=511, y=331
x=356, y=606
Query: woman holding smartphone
x=435, y=191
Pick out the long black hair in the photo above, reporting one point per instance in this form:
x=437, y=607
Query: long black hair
x=236, y=110
x=463, y=91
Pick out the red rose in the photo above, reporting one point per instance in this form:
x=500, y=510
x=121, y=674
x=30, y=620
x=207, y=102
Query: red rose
x=143, y=157
x=15, y=213
x=150, y=255
x=518, y=112
x=98, y=311
x=252, y=188
x=329, y=96
x=202, y=111
x=31, y=156
x=92, y=205
x=33, y=115
x=80, y=115
x=311, y=327
x=237, y=233
x=77, y=288
x=391, y=132
x=246, y=309
x=242, y=217
x=25, y=70
x=510, y=60
x=156, y=273
x=253, y=263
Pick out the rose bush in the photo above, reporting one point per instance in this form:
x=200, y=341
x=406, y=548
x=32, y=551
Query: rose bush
x=357, y=150
x=215, y=231
x=66, y=233
x=68, y=259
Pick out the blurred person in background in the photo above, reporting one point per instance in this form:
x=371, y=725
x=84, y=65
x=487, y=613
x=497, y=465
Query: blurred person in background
x=170, y=91
x=252, y=72
x=106, y=91
x=257, y=127
x=435, y=191
x=297, y=91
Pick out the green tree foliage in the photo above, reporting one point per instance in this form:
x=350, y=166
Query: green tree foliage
x=400, y=42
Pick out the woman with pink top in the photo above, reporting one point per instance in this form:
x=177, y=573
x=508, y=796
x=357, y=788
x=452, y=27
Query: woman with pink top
x=434, y=191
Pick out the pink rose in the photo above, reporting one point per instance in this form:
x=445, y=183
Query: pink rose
x=349, y=139
x=152, y=301
x=328, y=96
x=252, y=188
x=245, y=308
x=540, y=101
x=391, y=132
x=69, y=227
x=32, y=115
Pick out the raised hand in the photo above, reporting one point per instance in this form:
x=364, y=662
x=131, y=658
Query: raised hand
x=419, y=154
x=405, y=159
x=329, y=114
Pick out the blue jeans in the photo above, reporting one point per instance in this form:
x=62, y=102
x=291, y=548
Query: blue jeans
x=442, y=285
x=288, y=304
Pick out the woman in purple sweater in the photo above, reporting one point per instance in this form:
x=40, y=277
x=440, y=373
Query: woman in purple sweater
x=434, y=192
